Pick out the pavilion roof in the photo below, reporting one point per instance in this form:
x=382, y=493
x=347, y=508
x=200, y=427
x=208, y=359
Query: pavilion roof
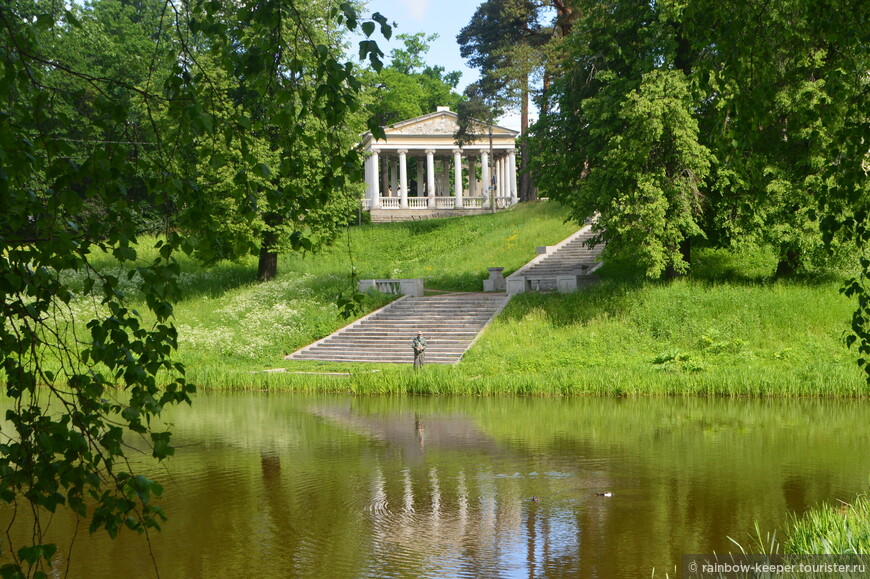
x=440, y=124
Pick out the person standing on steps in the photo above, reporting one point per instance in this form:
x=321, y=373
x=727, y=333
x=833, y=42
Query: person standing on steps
x=419, y=346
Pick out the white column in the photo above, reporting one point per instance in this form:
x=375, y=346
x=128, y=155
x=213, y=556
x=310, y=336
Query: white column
x=445, y=185
x=501, y=180
x=472, y=176
x=385, y=177
x=430, y=176
x=403, y=177
x=420, y=176
x=376, y=193
x=368, y=177
x=484, y=174
x=496, y=172
x=505, y=187
x=457, y=177
x=512, y=176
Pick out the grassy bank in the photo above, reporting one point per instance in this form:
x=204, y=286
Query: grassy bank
x=730, y=329
x=842, y=529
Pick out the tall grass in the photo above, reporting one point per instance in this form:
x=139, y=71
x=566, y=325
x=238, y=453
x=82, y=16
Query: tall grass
x=841, y=529
x=840, y=532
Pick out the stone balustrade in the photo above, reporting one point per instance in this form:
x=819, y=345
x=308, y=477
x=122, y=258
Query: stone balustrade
x=418, y=202
x=441, y=202
x=409, y=287
x=504, y=202
x=473, y=202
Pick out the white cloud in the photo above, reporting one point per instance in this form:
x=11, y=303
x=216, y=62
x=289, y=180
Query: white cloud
x=417, y=9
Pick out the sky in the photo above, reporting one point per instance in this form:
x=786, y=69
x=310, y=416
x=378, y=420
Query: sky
x=443, y=17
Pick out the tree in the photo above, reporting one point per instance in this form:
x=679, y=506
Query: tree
x=302, y=183
x=478, y=112
x=620, y=137
x=761, y=131
x=408, y=87
x=81, y=368
x=509, y=42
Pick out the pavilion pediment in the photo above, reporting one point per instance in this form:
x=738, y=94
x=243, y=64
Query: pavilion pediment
x=443, y=123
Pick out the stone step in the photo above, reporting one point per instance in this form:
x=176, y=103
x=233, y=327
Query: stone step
x=450, y=323
x=392, y=338
x=406, y=351
x=392, y=329
x=371, y=356
x=374, y=356
x=571, y=257
x=411, y=331
x=403, y=345
x=394, y=324
x=383, y=350
x=442, y=314
x=439, y=308
x=398, y=343
x=384, y=360
x=399, y=339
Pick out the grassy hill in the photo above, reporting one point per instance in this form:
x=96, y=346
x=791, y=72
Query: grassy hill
x=231, y=325
x=729, y=329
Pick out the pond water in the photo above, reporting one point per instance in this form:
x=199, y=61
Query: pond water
x=328, y=486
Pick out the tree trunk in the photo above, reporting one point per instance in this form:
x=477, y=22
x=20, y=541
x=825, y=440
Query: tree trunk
x=267, y=268
x=564, y=16
x=683, y=55
x=788, y=263
x=686, y=252
x=527, y=190
x=545, y=90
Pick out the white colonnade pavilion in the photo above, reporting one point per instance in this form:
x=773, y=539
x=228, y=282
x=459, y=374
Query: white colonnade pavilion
x=479, y=175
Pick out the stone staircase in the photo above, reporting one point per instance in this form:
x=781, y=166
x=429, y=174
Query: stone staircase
x=563, y=267
x=449, y=322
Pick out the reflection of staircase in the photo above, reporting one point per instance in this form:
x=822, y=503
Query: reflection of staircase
x=564, y=267
x=449, y=322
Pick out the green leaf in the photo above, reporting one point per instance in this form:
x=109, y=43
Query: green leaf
x=262, y=170
x=44, y=21
x=386, y=29
x=71, y=19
